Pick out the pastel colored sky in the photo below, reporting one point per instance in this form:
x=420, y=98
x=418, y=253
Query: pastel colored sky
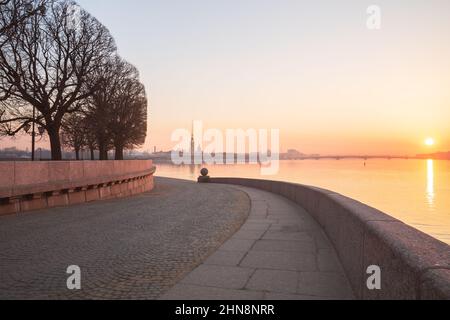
x=309, y=68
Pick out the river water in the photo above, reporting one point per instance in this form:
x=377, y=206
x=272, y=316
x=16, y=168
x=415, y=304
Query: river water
x=414, y=191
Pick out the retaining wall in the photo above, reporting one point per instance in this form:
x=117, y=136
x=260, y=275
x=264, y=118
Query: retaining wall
x=413, y=264
x=26, y=186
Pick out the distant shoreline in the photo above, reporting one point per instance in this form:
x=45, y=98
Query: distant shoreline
x=169, y=162
x=165, y=159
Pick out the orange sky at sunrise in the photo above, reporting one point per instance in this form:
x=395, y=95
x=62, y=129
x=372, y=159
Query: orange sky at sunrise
x=312, y=70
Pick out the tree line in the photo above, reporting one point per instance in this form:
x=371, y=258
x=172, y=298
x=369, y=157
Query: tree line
x=60, y=62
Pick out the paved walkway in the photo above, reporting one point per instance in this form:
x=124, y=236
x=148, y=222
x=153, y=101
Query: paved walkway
x=181, y=241
x=279, y=254
x=134, y=248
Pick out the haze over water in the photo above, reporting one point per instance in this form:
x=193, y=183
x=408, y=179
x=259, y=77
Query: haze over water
x=416, y=192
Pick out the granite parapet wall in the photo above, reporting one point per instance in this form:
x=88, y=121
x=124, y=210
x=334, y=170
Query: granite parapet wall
x=26, y=186
x=413, y=265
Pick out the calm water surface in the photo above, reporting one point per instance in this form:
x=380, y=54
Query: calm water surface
x=414, y=191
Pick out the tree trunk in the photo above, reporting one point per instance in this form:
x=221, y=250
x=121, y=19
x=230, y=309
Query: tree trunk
x=55, y=144
x=119, y=153
x=103, y=153
x=92, y=153
x=77, y=154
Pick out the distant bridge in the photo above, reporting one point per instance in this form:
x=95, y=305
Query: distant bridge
x=352, y=157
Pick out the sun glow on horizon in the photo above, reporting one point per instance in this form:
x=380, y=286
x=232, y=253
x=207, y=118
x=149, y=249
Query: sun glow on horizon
x=430, y=142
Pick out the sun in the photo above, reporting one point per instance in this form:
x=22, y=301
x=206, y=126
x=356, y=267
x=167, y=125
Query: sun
x=430, y=142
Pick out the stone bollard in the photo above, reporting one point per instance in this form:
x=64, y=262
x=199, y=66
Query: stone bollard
x=204, y=178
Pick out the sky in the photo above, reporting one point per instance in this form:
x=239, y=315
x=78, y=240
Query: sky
x=309, y=68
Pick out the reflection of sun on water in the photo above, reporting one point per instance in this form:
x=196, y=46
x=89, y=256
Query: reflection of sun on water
x=430, y=183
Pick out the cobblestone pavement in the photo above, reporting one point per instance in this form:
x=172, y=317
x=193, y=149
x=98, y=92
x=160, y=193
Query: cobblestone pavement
x=134, y=248
x=280, y=253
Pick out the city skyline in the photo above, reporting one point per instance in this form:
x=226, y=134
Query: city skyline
x=23, y=143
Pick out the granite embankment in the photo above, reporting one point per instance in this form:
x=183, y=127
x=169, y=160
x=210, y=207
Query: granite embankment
x=28, y=186
x=413, y=265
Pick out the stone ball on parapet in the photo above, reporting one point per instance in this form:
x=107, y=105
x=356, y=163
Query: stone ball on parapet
x=204, y=172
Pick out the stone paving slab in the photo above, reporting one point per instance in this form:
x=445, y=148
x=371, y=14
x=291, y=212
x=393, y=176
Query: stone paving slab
x=328, y=261
x=324, y=284
x=192, y=292
x=247, y=234
x=280, y=260
x=226, y=258
x=219, y=276
x=241, y=245
x=288, y=235
x=274, y=281
x=286, y=246
x=280, y=253
x=297, y=297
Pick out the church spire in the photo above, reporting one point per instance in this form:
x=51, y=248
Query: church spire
x=192, y=144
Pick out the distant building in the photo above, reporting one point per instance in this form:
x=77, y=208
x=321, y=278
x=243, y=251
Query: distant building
x=192, y=145
x=293, y=154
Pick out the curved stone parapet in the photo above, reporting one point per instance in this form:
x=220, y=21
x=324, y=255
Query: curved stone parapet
x=413, y=264
x=26, y=186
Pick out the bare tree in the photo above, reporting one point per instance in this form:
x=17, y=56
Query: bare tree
x=98, y=104
x=128, y=113
x=46, y=65
x=118, y=108
x=90, y=135
x=74, y=133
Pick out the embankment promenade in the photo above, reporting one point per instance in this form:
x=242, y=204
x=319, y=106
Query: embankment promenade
x=229, y=239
